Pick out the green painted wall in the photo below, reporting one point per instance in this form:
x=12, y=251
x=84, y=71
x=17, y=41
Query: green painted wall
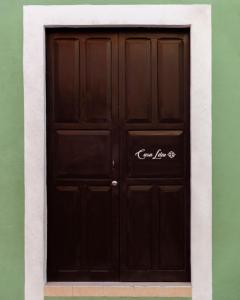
x=226, y=145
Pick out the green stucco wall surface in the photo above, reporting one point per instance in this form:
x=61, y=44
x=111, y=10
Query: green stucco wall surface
x=226, y=145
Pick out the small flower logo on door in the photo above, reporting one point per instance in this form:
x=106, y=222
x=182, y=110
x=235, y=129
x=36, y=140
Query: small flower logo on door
x=171, y=154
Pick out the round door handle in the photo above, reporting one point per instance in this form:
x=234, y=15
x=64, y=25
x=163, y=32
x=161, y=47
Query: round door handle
x=114, y=183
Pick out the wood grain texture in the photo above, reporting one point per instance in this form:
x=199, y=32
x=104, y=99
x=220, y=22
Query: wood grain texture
x=118, y=109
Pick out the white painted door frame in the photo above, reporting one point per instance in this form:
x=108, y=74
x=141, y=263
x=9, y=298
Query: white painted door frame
x=36, y=18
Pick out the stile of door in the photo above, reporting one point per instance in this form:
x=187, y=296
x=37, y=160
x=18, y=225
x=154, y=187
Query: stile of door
x=118, y=158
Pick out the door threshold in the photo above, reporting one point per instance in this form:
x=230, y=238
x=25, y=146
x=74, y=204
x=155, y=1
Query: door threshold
x=118, y=289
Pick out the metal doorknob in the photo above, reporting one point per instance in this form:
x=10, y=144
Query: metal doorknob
x=114, y=183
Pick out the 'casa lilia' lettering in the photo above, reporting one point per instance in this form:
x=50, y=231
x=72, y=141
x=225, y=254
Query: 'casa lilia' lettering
x=159, y=154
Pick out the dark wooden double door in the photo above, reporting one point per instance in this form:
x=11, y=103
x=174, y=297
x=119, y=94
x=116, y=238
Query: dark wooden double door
x=118, y=155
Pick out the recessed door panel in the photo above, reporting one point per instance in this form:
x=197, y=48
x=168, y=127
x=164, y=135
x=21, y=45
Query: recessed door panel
x=155, y=153
x=137, y=84
x=139, y=208
x=172, y=227
x=66, y=80
x=170, y=78
x=100, y=221
x=98, y=95
x=64, y=228
x=118, y=154
x=83, y=153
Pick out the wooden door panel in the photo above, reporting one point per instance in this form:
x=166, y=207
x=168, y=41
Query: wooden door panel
x=97, y=104
x=155, y=153
x=101, y=220
x=66, y=79
x=155, y=246
x=170, y=80
x=64, y=229
x=172, y=227
x=83, y=153
x=82, y=244
x=139, y=209
x=137, y=82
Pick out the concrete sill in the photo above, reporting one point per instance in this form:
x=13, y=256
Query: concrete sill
x=118, y=289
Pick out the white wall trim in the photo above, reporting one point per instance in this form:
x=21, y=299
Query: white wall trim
x=198, y=17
